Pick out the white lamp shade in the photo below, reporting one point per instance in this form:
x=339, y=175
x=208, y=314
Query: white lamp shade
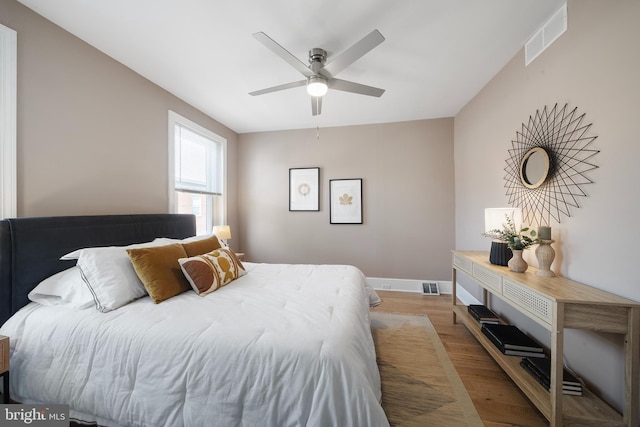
x=222, y=231
x=495, y=218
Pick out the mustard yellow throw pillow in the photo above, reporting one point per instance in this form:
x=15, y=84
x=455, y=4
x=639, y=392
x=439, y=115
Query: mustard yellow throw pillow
x=209, y=272
x=202, y=246
x=159, y=270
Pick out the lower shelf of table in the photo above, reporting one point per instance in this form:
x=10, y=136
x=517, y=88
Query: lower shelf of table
x=585, y=410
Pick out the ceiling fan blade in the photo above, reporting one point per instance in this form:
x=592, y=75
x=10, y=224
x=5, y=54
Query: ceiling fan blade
x=347, y=86
x=316, y=105
x=279, y=87
x=283, y=53
x=352, y=54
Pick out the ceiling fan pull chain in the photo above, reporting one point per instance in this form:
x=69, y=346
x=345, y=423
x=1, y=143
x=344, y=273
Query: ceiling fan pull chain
x=318, y=133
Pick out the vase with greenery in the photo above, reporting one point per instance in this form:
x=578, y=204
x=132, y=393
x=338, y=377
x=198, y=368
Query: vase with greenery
x=516, y=240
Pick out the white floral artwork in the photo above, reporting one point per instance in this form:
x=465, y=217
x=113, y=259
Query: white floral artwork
x=304, y=194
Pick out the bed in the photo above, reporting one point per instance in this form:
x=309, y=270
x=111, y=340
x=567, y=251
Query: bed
x=282, y=345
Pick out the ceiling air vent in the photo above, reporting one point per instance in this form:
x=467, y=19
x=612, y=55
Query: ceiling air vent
x=550, y=31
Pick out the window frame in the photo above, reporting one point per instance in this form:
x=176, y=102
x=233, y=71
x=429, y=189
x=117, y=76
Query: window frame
x=8, y=122
x=177, y=119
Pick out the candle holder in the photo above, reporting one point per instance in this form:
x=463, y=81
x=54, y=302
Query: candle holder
x=545, y=255
x=544, y=232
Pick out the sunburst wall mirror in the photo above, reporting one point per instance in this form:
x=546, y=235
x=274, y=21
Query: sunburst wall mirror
x=548, y=164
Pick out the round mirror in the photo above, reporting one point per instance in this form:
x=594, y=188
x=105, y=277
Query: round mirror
x=534, y=167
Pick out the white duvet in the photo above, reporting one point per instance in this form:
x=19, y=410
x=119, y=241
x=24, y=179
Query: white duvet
x=284, y=345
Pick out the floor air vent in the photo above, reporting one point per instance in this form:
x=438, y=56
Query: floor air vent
x=430, y=288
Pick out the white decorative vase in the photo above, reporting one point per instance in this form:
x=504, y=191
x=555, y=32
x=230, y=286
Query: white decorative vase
x=545, y=255
x=517, y=263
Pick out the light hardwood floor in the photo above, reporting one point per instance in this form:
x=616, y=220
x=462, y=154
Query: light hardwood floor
x=496, y=398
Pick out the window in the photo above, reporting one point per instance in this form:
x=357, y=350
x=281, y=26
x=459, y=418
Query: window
x=197, y=162
x=8, y=79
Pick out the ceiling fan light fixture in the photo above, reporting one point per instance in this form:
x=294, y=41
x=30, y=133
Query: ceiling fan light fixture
x=317, y=86
x=318, y=74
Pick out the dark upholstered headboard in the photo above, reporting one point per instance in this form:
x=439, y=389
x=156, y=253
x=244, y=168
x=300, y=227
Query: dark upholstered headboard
x=30, y=248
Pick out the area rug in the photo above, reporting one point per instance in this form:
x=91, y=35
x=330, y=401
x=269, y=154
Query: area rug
x=420, y=386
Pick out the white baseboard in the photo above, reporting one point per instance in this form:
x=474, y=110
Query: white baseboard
x=415, y=286
x=465, y=297
x=407, y=285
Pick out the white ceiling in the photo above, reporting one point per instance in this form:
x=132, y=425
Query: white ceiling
x=437, y=54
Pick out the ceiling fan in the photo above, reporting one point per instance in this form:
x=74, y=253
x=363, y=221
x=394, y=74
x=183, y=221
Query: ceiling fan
x=320, y=73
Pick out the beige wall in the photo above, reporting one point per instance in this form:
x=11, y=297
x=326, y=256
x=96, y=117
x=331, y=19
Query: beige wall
x=92, y=134
x=92, y=138
x=407, y=172
x=593, y=66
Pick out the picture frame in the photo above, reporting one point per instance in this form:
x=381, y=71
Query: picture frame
x=345, y=196
x=304, y=189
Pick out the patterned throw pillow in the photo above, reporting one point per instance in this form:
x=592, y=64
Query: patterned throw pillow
x=209, y=272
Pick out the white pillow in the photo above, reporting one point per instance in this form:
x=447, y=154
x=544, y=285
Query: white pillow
x=65, y=288
x=374, y=298
x=158, y=241
x=110, y=276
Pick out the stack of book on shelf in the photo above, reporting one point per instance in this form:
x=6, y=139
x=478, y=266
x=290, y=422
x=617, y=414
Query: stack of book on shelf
x=482, y=314
x=540, y=369
x=512, y=341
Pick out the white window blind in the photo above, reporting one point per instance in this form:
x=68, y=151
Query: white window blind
x=197, y=164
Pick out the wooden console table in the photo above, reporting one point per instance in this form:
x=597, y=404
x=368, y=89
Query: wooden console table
x=557, y=303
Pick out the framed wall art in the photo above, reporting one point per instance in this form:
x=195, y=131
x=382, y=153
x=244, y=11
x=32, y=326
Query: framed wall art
x=304, y=189
x=345, y=197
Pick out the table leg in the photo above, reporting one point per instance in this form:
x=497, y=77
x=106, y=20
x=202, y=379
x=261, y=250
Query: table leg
x=5, y=389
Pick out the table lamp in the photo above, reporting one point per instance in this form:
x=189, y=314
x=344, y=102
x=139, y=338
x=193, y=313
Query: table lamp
x=223, y=232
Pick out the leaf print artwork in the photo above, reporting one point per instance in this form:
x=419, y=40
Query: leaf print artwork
x=346, y=199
